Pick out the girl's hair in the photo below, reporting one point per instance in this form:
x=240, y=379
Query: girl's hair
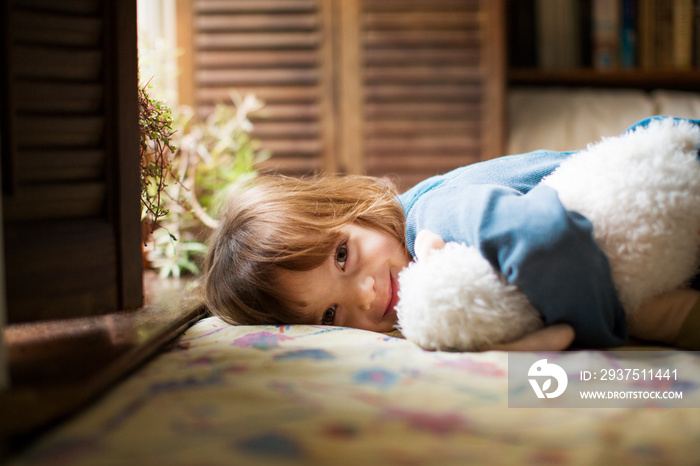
x=280, y=223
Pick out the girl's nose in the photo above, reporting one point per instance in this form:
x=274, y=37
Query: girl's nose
x=365, y=293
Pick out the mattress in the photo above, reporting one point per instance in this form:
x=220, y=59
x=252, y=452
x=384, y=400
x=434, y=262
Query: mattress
x=299, y=394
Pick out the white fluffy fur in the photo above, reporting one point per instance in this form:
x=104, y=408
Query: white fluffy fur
x=455, y=300
x=641, y=190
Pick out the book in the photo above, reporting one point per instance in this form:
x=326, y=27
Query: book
x=558, y=35
x=683, y=18
x=605, y=23
x=645, y=33
x=522, y=47
x=584, y=13
x=696, y=33
x=663, y=34
x=628, y=34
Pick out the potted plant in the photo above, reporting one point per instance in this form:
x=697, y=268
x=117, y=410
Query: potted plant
x=188, y=164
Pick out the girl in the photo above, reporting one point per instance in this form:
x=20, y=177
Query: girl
x=328, y=251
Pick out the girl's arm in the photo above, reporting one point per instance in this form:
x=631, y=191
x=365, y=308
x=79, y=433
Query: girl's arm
x=669, y=318
x=556, y=337
x=547, y=251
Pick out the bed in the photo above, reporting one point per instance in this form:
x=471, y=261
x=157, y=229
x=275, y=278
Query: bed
x=327, y=395
x=222, y=394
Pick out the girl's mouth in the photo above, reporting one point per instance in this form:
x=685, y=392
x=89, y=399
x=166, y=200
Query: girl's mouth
x=393, y=295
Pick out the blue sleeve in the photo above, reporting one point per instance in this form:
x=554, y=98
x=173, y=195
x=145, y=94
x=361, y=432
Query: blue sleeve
x=536, y=244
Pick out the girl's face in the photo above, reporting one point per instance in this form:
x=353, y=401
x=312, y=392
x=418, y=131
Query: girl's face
x=355, y=287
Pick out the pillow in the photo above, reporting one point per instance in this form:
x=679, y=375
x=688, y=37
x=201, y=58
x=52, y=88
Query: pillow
x=568, y=119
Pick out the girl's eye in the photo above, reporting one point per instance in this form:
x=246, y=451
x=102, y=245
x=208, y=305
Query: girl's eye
x=341, y=256
x=328, y=316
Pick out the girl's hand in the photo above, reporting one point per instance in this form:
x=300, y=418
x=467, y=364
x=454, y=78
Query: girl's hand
x=556, y=337
x=426, y=242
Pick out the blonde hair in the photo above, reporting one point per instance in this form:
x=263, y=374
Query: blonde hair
x=280, y=223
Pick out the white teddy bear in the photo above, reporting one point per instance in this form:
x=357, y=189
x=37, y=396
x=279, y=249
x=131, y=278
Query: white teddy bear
x=641, y=191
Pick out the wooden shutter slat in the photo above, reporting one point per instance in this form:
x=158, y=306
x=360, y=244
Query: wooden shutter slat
x=270, y=94
x=81, y=277
x=59, y=97
x=400, y=110
x=423, y=55
x=79, y=7
x=456, y=38
x=48, y=63
x=434, y=126
x=247, y=6
x=277, y=112
x=92, y=289
x=56, y=201
x=437, y=144
x=87, y=241
x=235, y=77
x=291, y=165
x=243, y=40
x=422, y=5
x=429, y=92
x=290, y=112
x=98, y=276
x=286, y=129
x=60, y=165
x=429, y=20
x=57, y=29
x=256, y=22
x=422, y=74
x=287, y=147
x=52, y=131
x=256, y=59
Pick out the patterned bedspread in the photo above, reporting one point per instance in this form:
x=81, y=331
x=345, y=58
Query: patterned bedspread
x=325, y=395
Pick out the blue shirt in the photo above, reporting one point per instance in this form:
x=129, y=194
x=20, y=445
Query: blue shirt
x=526, y=234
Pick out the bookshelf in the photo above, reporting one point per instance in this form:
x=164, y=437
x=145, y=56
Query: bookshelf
x=662, y=53
x=687, y=80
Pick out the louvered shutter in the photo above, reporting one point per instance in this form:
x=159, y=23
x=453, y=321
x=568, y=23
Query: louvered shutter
x=406, y=88
x=426, y=78
x=70, y=158
x=278, y=50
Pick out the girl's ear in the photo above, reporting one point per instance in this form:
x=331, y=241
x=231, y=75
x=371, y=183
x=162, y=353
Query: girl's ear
x=426, y=242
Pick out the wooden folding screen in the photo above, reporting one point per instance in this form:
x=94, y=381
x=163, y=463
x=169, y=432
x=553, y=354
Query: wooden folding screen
x=426, y=74
x=276, y=49
x=408, y=88
x=70, y=158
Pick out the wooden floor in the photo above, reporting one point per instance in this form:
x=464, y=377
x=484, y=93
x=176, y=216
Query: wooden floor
x=58, y=367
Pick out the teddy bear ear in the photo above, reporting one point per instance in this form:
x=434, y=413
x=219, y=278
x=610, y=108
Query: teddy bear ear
x=455, y=301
